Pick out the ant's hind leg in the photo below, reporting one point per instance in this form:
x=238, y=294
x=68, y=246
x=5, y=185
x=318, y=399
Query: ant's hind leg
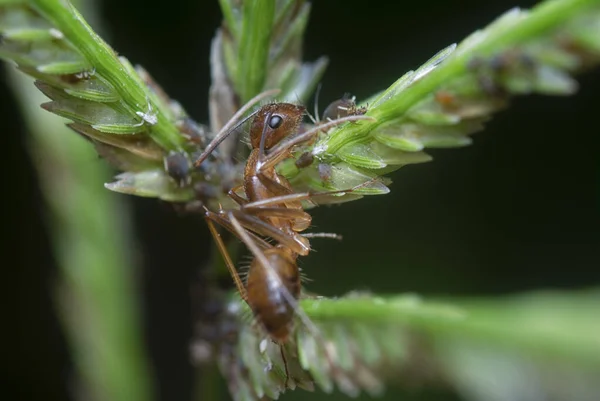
x=230, y=266
x=295, y=242
x=222, y=220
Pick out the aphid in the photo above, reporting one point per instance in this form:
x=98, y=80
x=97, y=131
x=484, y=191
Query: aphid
x=491, y=73
x=514, y=59
x=269, y=208
x=475, y=63
x=490, y=86
x=192, y=131
x=346, y=106
x=177, y=165
x=324, y=172
x=304, y=160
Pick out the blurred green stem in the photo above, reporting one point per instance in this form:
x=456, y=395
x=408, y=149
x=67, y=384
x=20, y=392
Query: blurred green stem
x=67, y=20
x=254, y=47
x=97, y=299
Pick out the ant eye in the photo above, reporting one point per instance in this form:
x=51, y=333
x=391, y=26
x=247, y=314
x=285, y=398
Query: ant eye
x=275, y=121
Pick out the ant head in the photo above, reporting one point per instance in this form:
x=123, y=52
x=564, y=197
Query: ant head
x=275, y=121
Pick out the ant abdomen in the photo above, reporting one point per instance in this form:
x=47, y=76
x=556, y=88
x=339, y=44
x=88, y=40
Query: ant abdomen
x=268, y=290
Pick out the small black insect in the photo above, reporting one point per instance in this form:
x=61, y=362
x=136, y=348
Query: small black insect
x=305, y=160
x=178, y=165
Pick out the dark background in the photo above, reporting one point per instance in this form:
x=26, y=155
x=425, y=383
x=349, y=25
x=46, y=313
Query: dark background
x=518, y=210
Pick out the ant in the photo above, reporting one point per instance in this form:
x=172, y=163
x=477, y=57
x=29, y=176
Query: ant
x=269, y=208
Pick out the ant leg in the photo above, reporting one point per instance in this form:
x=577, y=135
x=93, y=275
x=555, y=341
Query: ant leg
x=272, y=185
x=295, y=242
x=279, y=189
x=237, y=198
x=323, y=235
x=224, y=222
x=223, y=249
x=256, y=225
x=282, y=212
x=303, y=196
x=299, y=219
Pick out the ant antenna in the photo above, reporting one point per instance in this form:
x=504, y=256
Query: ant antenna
x=263, y=136
x=299, y=101
x=231, y=125
x=316, y=111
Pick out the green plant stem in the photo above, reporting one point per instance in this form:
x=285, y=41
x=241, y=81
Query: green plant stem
x=66, y=19
x=96, y=294
x=559, y=324
x=542, y=18
x=208, y=386
x=229, y=18
x=254, y=47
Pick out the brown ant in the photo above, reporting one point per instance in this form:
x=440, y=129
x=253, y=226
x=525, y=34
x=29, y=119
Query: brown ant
x=271, y=209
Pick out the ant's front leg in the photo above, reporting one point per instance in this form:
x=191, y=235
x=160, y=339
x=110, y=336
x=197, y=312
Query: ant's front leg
x=277, y=189
x=298, y=196
x=232, y=193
